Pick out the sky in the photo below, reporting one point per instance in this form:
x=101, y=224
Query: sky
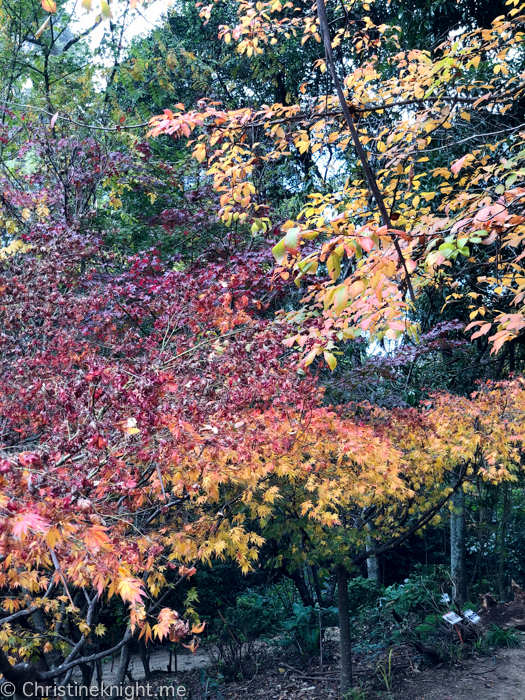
x=146, y=18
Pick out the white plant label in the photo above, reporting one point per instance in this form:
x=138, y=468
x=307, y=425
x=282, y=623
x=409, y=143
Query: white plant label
x=452, y=618
x=472, y=616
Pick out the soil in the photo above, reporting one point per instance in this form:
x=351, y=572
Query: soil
x=498, y=677
x=501, y=677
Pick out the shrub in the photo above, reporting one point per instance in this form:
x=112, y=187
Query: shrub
x=234, y=634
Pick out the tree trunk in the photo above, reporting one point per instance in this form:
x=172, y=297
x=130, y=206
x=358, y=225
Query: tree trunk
x=302, y=588
x=317, y=586
x=372, y=568
x=50, y=659
x=330, y=590
x=121, y=670
x=347, y=679
x=502, y=547
x=145, y=659
x=98, y=666
x=372, y=563
x=457, y=547
x=87, y=673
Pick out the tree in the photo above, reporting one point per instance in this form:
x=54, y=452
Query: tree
x=457, y=548
x=382, y=265
x=125, y=392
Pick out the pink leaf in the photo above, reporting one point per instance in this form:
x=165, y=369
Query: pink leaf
x=28, y=521
x=485, y=328
x=397, y=325
x=366, y=244
x=456, y=167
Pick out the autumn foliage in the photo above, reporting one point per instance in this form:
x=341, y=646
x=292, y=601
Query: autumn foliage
x=161, y=413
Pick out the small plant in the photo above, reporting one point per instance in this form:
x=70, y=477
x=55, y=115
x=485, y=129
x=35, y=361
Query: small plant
x=498, y=637
x=235, y=638
x=210, y=687
x=453, y=654
x=355, y=694
x=302, y=628
x=478, y=646
x=384, y=671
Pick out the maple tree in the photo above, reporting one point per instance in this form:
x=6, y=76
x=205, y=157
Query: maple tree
x=113, y=385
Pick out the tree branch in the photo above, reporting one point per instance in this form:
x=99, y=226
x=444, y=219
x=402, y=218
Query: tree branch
x=374, y=189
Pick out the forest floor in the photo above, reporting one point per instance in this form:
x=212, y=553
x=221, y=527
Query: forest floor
x=497, y=677
x=500, y=677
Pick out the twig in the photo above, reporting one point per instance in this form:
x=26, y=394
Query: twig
x=204, y=342
x=372, y=183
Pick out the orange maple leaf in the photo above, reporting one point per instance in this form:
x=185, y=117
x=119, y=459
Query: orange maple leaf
x=130, y=590
x=96, y=537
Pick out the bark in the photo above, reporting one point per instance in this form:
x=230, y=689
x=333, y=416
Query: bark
x=17, y=675
x=317, y=586
x=48, y=659
x=98, y=666
x=302, y=588
x=457, y=547
x=87, y=673
x=123, y=664
x=372, y=563
x=347, y=679
x=330, y=591
x=144, y=657
x=502, y=543
x=372, y=568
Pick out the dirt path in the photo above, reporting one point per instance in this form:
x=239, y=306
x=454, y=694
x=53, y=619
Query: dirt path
x=501, y=677
x=159, y=660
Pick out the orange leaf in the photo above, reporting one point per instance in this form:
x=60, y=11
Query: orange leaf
x=197, y=629
x=130, y=590
x=193, y=645
x=96, y=537
x=49, y=6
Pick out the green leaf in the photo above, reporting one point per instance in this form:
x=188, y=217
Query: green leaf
x=308, y=267
x=340, y=298
x=279, y=251
x=334, y=265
